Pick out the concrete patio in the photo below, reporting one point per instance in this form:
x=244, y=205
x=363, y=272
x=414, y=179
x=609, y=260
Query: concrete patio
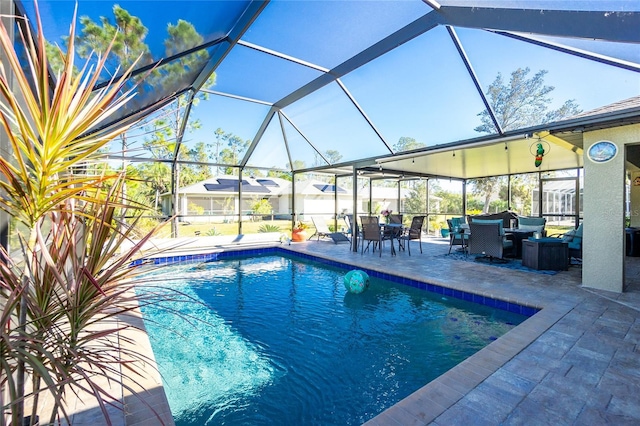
x=575, y=362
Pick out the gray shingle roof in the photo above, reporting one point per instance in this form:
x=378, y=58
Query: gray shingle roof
x=622, y=105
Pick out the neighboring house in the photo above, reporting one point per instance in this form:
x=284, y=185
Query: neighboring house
x=216, y=199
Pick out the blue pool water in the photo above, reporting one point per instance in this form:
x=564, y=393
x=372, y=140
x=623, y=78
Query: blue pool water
x=280, y=341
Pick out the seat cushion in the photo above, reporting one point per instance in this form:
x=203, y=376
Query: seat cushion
x=490, y=221
x=535, y=221
x=568, y=236
x=575, y=245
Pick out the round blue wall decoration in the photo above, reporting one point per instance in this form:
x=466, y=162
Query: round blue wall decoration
x=601, y=152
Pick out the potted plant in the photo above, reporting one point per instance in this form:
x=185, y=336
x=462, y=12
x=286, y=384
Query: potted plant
x=298, y=233
x=69, y=280
x=386, y=214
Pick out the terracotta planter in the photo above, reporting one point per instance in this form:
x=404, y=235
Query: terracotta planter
x=298, y=235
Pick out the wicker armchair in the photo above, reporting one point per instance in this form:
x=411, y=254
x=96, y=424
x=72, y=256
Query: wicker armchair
x=487, y=238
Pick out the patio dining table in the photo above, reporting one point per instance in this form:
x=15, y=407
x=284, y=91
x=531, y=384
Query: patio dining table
x=391, y=231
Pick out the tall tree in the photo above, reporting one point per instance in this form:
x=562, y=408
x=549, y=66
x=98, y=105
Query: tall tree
x=416, y=201
x=127, y=32
x=406, y=143
x=198, y=172
x=274, y=172
x=221, y=137
x=236, y=146
x=523, y=102
x=174, y=75
x=297, y=165
x=331, y=155
x=487, y=188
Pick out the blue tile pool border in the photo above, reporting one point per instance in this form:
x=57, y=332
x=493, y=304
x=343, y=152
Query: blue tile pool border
x=434, y=288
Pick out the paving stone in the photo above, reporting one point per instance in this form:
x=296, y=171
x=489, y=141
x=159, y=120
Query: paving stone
x=524, y=367
x=502, y=396
x=599, y=343
x=443, y=395
x=625, y=406
x=548, y=349
x=559, y=396
x=462, y=414
x=627, y=363
x=585, y=375
x=620, y=383
x=588, y=360
x=597, y=398
x=510, y=382
x=590, y=416
x=552, y=365
x=612, y=327
x=620, y=314
x=633, y=335
x=531, y=413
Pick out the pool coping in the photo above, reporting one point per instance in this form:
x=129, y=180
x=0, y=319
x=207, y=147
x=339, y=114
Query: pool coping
x=434, y=398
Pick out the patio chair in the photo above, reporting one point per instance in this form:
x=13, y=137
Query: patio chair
x=352, y=225
x=414, y=232
x=457, y=236
x=574, y=240
x=371, y=233
x=322, y=230
x=535, y=224
x=487, y=238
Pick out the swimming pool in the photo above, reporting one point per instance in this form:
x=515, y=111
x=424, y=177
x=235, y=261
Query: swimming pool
x=280, y=341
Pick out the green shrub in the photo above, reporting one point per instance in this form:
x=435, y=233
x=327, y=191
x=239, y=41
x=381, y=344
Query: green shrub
x=269, y=228
x=213, y=232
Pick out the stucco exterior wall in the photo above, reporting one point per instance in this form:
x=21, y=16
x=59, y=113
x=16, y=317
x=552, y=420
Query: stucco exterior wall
x=604, y=197
x=634, y=195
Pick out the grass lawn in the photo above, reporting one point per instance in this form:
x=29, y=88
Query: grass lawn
x=204, y=229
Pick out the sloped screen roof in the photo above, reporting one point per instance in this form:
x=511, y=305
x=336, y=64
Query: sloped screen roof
x=298, y=85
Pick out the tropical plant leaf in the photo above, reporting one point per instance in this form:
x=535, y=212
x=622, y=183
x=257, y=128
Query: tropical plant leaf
x=63, y=300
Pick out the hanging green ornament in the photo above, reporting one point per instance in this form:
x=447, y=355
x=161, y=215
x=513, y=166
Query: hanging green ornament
x=539, y=154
